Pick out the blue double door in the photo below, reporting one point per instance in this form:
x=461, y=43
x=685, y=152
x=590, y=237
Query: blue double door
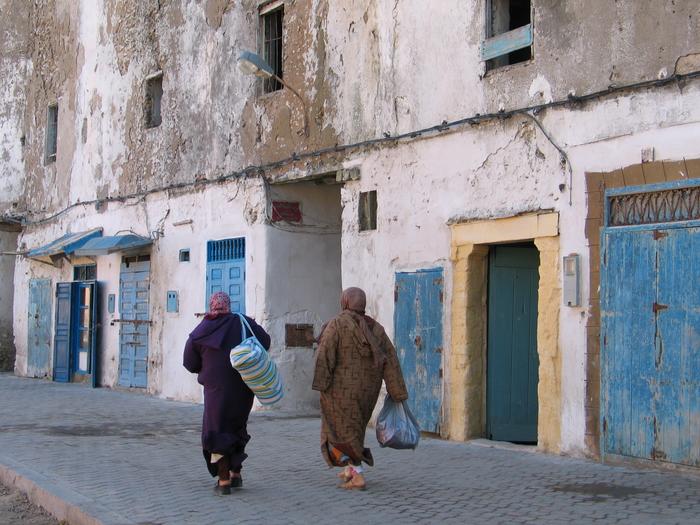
x=418, y=333
x=76, y=331
x=650, y=343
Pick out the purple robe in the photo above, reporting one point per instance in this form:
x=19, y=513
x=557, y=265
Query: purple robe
x=227, y=399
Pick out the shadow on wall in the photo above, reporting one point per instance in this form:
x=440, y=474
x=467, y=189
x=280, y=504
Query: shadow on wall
x=7, y=351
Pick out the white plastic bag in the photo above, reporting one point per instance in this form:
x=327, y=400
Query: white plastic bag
x=396, y=426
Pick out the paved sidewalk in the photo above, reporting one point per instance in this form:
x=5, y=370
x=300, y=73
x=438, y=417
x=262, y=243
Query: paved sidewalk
x=123, y=458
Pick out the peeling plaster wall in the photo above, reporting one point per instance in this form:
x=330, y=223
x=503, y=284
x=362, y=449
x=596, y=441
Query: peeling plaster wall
x=155, y=217
x=500, y=170
x=364, y=68
x=303, y=282
x=14, y=31
x=8, y=243
x=409, y=64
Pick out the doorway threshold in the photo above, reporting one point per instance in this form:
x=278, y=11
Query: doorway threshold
x=503, y=445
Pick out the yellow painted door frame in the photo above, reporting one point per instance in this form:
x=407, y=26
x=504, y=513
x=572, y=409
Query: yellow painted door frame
x=467, y=360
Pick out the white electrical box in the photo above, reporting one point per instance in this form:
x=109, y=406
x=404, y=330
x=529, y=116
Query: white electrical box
x=572, y=296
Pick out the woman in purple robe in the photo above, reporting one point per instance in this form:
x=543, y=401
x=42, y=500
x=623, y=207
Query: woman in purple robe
x=227, y=399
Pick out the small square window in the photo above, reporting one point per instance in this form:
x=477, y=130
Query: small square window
x=51, y=133
x=271, y=20
x=185, y=255
x=508, y=33
x=154, y=95
x=368, y=210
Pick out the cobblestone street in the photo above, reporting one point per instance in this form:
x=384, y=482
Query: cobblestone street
x=128, y=458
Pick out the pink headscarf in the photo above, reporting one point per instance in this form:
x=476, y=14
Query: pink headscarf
x=219, y=304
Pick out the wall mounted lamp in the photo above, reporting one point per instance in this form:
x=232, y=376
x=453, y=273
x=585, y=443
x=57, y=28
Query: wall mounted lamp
x=252, y=64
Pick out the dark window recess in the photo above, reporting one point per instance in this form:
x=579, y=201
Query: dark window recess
x=286, y=211
x=51, y=133
x=505, y=16
x=154, y=95
x=135, y=259
x=85, y=272
x=368, y=210
x=226, y=250
x=272, y=47
x=185, y=255
x=298, y=334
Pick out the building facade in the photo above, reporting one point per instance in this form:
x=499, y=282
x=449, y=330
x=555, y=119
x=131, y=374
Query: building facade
x=465, y=162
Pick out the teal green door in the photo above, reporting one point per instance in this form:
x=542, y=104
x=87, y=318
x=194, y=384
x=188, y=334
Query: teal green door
x=512, y=363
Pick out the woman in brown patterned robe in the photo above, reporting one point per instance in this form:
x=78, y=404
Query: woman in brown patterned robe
x=354, y=356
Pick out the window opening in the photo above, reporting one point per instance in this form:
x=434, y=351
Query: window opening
x=508, y=33
x=185, y=255
x=51, y=133
x=154, y=95
x=368, y=210
x=226, y=250
x=271, y=21
x=85, y=272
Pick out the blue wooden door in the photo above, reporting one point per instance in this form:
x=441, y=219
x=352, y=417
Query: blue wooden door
x=62, y=333
x=229, y=277
x=418, y=334
x=39, y=327
x=134, y=284
x=512, y=360
x=650, y=347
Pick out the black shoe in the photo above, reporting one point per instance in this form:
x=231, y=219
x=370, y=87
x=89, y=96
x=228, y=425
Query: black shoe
x=222, y=490
x=237, y=482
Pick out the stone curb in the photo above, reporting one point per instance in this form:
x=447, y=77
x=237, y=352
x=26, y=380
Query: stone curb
x=60, y=501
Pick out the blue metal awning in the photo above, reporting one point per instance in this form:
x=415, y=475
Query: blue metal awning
x=113, y=243
x=65, y=245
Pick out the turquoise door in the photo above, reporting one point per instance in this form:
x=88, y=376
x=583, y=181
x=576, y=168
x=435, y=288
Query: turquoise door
x=39, y=328
x=512, y=361
x=650, y=342
x=226, y=271
x=134, y=285
x=418, y=334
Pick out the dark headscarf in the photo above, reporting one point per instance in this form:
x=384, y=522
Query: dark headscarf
x=219, y=304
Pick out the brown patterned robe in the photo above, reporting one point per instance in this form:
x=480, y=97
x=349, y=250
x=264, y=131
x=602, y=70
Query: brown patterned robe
x=350, y=382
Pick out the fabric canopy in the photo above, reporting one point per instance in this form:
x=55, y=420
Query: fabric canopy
x=112, y=243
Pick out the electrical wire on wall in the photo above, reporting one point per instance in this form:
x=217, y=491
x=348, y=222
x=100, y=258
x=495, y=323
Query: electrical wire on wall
x=571, y=101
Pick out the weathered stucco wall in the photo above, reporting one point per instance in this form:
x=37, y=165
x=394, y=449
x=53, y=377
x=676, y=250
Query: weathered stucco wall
x=499, y=170
x=366, y=70
x=8, y=244
x=303, y=281
x=14, y=42
x=412, y=64
x=157, y=217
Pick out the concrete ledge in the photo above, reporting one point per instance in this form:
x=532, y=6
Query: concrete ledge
x=57, y=499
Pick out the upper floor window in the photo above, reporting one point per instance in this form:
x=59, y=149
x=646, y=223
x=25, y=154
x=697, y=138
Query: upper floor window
x=368, y=210
x=508, y=33
x=51, y=133
x=271, y=23
x=154, y=94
